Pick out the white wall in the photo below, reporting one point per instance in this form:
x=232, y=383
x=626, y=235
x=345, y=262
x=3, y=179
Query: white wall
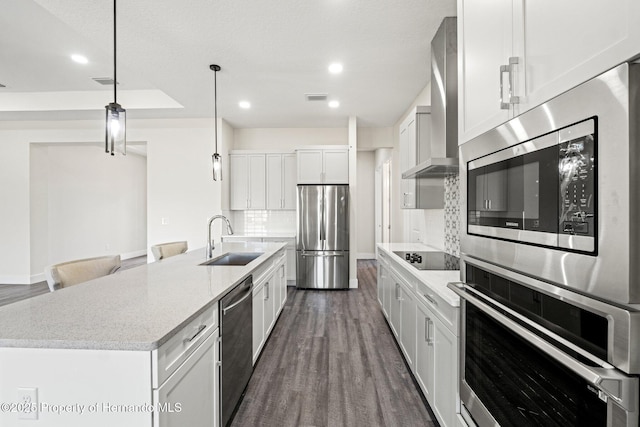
x=366, y=204
x=180, y=187
x=85, y=204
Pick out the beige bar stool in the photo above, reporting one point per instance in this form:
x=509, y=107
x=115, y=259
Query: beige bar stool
x=166, y=250
x=81, y=270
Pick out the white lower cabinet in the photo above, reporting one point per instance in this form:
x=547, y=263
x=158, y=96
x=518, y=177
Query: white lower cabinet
x=445, y=400
x=188, y=397
x=426, y=328
x=408, y=324
x=258, y=320
x=269, y=296
x=425, y=366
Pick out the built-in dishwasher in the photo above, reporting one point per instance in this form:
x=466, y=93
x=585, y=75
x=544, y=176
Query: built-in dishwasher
x=236, y=347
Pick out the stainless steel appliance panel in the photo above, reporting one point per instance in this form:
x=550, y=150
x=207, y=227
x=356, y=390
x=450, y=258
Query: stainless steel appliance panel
x=335, y=224
x=612, y=272
x=323, y=237
x=322, y=269
x=521, y=333
x=310, y=218
x=236, y=310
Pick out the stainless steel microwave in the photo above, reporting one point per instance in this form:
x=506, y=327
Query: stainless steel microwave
x=541, y=191
x=555, y=192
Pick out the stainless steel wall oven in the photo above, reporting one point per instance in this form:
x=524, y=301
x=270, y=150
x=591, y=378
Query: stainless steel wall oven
x=536, y=355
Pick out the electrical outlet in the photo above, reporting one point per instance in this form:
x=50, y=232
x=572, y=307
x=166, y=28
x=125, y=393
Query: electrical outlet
x=27, y=403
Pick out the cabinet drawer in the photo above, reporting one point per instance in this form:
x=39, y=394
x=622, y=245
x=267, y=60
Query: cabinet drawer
x=170, y=355
x=447, y=313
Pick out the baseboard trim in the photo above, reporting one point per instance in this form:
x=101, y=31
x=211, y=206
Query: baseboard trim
x=16, y=280
x=353, y=283
x=133, y=254
x=366, y=255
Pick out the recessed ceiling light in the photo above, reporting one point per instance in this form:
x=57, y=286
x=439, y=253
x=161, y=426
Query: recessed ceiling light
x=334, y=104
x=335, y=68
x=244, y=104
x=79, y=59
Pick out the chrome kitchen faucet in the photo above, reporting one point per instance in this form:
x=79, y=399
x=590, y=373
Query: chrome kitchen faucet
x=210, y=243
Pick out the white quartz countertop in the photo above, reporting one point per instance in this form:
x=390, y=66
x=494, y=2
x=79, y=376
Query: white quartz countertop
x=435, y=279
x=135, y=309
x=270, y=235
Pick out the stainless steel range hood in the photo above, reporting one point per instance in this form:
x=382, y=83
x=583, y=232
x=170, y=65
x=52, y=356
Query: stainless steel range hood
x=440, y=157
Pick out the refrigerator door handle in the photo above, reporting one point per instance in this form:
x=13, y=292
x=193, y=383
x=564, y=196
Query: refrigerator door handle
x=321, y=255
x=323, y=232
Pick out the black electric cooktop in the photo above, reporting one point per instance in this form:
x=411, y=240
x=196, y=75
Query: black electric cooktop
x=430, y=260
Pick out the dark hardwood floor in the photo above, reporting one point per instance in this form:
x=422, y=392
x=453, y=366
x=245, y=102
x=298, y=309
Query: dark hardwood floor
x=331, y=360
x=12, y=293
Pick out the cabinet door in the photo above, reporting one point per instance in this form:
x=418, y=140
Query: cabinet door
x=408, y=325
x=408, y=186
x=291, y=262
x=445, y=385
x=424, y=366
x=194, y=386
x=389, y=294
x=239, y=174
x=394, y=307
x=412, y=147
x=269, y=301
x=309, y=166
x=289, y=181
x=485, y=42
x=282, y=271
x=382, y=273
x=336, y=166
x=576, y=42
x=257, y=171
x=258, y=320
x=274, y=181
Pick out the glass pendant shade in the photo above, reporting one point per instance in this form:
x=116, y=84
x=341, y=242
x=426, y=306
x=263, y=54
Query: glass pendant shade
x=116, y=129
x=217, y=167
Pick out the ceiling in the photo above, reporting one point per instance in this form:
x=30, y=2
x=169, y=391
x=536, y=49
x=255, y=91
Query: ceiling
x=271, y=52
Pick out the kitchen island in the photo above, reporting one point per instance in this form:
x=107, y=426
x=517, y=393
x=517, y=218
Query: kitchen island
x=126, y=349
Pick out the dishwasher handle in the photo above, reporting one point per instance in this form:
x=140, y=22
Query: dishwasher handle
x=245, y=296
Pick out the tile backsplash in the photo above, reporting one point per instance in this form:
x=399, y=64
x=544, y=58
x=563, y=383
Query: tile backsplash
x=452, y=214
x=263, y=222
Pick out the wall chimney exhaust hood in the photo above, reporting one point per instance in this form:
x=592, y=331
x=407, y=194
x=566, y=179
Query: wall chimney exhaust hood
x=440, y=157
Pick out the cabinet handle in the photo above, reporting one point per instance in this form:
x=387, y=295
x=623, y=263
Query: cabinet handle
x=266, y=288
x=198, y=332
x=510, y=68
x=489, y=204
x=398, y=291
x=426, y=330
x=430, y=299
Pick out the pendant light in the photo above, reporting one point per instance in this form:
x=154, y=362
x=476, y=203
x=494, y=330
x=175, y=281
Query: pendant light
x=116, y=116
x=216, y=158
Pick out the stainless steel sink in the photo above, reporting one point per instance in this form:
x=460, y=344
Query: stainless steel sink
x=234, y=258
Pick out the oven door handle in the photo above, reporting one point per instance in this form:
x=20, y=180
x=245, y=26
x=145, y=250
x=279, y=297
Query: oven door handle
x=619, y=387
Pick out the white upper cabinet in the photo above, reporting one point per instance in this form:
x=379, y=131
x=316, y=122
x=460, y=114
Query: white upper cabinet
x=578, y=41
x=515, y=55
x=281, y=181
x=323, y=166
x=247, y=181
x=485, y=44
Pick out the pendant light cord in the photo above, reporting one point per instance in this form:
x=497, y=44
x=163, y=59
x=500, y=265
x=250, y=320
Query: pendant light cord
x=115, y=77
x=215, y=106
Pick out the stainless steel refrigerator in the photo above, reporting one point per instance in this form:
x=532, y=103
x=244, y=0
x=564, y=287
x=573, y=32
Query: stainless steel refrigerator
x=322, y=241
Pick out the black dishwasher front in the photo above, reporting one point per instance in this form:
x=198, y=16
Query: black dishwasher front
x=236, y=327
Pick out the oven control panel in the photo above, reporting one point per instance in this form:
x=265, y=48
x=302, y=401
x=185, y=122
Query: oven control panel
x=577, y=169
